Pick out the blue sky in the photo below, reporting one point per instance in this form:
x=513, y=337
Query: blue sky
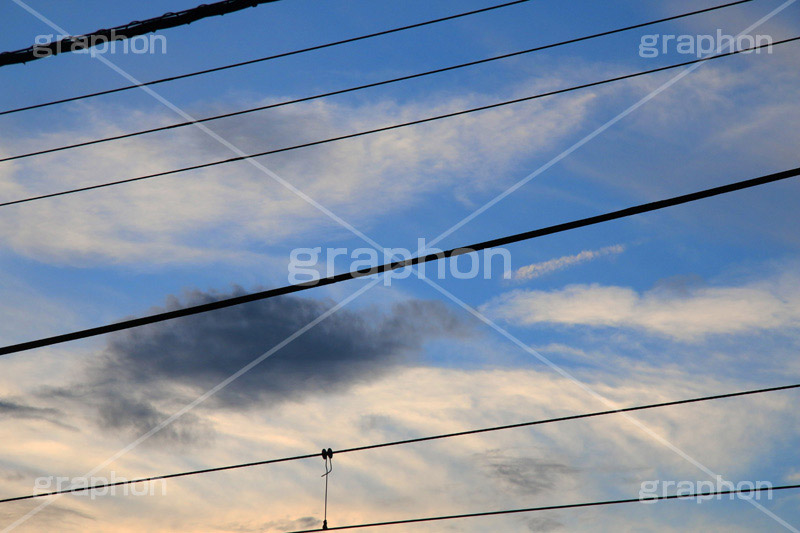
x=695, y=300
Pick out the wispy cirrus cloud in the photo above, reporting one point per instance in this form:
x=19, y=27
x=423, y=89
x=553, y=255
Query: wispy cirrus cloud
x=558, y=463
x=536, y=270
x=223, y=212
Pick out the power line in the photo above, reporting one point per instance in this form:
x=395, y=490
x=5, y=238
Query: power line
x=290, y=289
x=127, y=31
x=409, y=441
x=652, y=499
x=574, y=417
x=383, y=128
x=369, y=85
x=266, y=58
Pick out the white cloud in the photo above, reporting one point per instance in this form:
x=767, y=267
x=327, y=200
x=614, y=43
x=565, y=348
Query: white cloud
x=224, y=212
x=536, y=270
x=686, y=315
x=565, y=462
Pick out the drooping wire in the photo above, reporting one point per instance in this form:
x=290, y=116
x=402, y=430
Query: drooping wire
x=127, y=31
x=382, y=129
x=387, y=267
x=653, y=499
x=520, y=425
x=364, y=86
x=267, y=58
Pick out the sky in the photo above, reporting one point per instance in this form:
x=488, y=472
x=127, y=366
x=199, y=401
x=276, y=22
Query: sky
x=695, y=300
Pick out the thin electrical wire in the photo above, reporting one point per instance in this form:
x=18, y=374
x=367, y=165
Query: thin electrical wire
x=338, y=278
x=127, y=31
x=366, y=86
x=384, y=128
x=595, y=414
x=652, y=499
x=267, y=58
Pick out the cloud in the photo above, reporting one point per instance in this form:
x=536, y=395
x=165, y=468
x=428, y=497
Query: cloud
x=143, y=372
x=121, y=410
x=688, y=314
x=226, y=213
x=793, y=476
x=307, y=522
x=12, y=409
x=53, y=517
x=721, y=123
x=544, y=524
x=530, y=475
x=584, y=460
x=560, y=263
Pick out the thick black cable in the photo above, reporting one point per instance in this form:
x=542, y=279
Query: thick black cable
x=365, y=86
x=410, y=441
x=652, y=499
x=267, y=58
x=290, y=289
x=132, y=29
x=381, y=129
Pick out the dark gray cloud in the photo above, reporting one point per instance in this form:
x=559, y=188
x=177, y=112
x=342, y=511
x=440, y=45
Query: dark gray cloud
x=146, y=373
x=528, y=475
x=13, y=409
x=121, y=410
x=17, y=410
x=544, y=524
x=347, y=347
